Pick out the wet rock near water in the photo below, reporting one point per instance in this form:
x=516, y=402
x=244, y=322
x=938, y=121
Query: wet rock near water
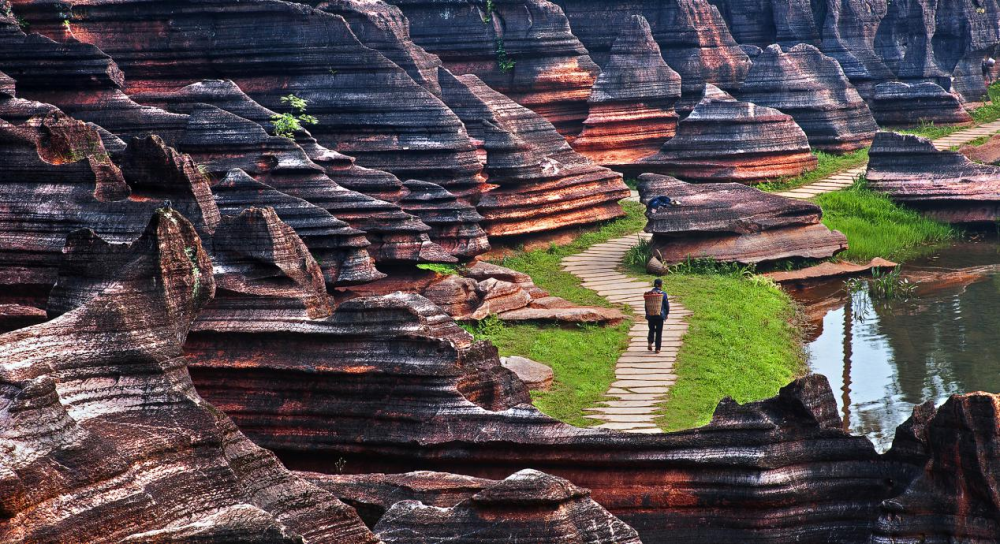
x=733, y=223
x=632, y=103
x=812, y=88
x=728, y=140
x=944, y=185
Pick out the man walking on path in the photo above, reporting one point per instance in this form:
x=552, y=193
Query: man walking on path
x=657, y=310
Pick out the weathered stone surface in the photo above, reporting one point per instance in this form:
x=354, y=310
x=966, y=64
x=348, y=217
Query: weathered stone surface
x=761, y=23
x=454, y=225
x=543, y=184
x=632, y=102
x=551, y=71
x=535, y=375
x=942, y=184
x=727, y=140
x=111, y=443
x=847, y=33
x=812, y=88
x=367, y=106
x=986, y=153
x=901, y=104
x=692, y=35
x=732, y=222
x=56, y=177
x=372, y=494
x=226, y=95
x=528, y=506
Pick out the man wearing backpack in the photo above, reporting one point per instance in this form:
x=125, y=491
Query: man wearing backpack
x=657, y=310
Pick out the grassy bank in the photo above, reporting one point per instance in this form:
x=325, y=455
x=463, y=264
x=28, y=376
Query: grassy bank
x=877, y=227
x=828, y=165
x=743, y=342
x=582, y=358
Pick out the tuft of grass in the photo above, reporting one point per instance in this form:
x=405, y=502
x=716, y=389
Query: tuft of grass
x=639, y=254
x=928, y=129
x=440, y=268
x=877, y=227
x=582, y=359
x=743, y=340
x=989, y=112
x=828, y=165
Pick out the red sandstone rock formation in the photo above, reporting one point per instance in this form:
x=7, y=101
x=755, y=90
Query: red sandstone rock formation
x=765, y=22
x=813, y=89
x=901, y=104
x=731, y=222
x=985, y=153
x=632, y=104
x=692, y=35
x=543, y=185
x=942, y=184
x=727, y=140
x=367, y=107
x=523, y=48
x=527, y=507
x=112, y=442
x=454, y=225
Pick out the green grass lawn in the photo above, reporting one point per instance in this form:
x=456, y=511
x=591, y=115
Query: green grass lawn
x=582, y=358
x=877, y=227
x=828, y=164
x=743, y=342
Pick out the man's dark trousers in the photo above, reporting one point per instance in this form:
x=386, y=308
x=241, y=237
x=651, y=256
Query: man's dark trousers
x=655, y=330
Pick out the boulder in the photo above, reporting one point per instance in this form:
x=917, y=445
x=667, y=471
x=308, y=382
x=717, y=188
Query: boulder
x=535, y=376
x=498, y=296
x=944, y=185
x=902, y=104
x=542, y=184
x=730, y=222
x=524, y=49
x=827, y=270
x=985, y=153
x=632, y=103
x=692, y=36
x=811, y=87
x=727, y=140
x=545, y=509
x=100, y=372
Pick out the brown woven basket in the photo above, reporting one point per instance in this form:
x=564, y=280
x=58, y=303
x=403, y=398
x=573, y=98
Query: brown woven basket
x=654, y=303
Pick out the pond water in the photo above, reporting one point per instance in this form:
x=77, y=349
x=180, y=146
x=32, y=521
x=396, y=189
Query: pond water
x=882, y=360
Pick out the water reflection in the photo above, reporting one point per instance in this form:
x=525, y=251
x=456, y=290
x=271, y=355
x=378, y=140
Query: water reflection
x=885, y=359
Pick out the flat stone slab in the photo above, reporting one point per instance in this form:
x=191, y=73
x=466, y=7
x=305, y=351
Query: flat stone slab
x=534, y=374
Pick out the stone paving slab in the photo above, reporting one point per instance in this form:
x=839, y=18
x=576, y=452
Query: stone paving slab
x=642, y=376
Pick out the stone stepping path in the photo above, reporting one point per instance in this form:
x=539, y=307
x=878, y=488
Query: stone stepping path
x=642, y=377
x=844, y=178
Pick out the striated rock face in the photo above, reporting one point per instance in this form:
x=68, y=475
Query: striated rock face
x=953, y=499
x=111, y=442
x=528, y=506
x=848, y=35
x=902, y=104
x=727, y=140
x=812, y=88
x=731, y=222
x=543, y=185
x=943, y=184
x=764, y=22
x=454, y=225
x=367, y=106
x=340, y=248
x=692, y=36
x=524, y=49
x=57, y=177
x=632, y=103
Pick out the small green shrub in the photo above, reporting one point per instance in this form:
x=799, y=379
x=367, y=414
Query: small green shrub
x=287, y=124
x=446, y=269
x=639, y=254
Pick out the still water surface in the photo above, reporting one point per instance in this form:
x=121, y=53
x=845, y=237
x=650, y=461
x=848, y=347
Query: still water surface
x=883, y=360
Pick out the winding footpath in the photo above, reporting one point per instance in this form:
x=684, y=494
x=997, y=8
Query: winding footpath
x=844, y=178
x=642, y=377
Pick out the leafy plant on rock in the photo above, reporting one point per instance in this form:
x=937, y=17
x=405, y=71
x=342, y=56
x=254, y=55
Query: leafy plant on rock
x=287, y=124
